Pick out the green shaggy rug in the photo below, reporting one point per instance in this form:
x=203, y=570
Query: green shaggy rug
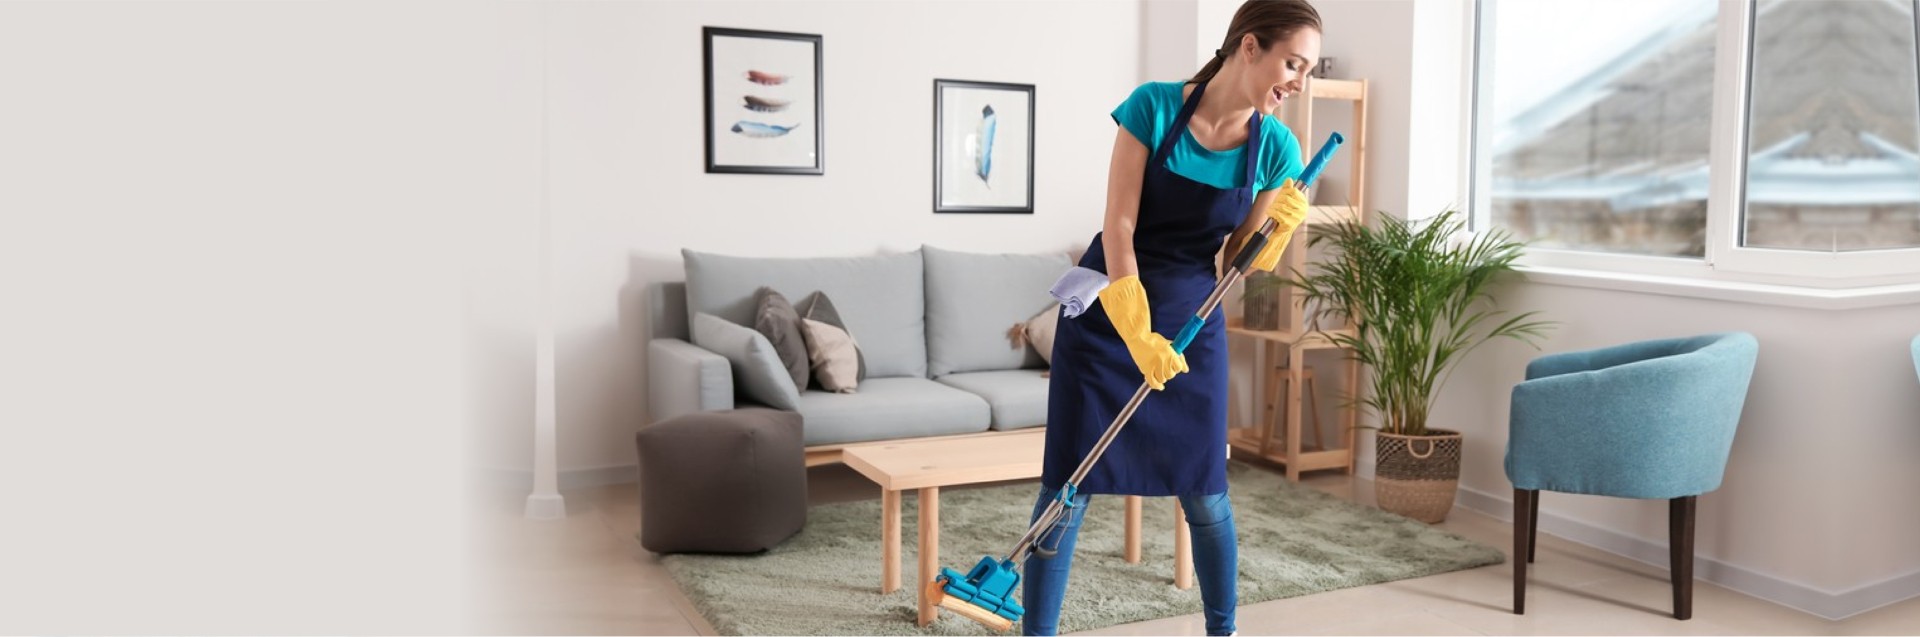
x=1294, y=541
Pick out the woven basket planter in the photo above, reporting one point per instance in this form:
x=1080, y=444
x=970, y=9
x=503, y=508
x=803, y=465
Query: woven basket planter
x=1260, y=308
x=1416, y=476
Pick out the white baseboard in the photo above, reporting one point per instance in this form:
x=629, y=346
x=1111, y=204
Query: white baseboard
x=1827, y=604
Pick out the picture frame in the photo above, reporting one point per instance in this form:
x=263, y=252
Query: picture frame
x=763, y=102
x=983, y=135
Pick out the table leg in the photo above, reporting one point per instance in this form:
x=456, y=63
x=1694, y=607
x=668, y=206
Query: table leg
x=1296, y=360
x=1134, y=503
x=1182, y=549
x=889, y=541
x=929, y=549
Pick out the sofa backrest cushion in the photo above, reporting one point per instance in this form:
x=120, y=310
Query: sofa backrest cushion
x=973, y=300
x=879, y=297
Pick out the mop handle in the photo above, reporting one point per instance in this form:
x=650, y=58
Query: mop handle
x=1057, y=508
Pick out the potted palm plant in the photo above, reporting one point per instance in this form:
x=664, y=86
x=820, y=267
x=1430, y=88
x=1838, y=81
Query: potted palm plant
x=1416, y=299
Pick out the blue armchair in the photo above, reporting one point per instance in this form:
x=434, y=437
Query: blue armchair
x=1652, y=419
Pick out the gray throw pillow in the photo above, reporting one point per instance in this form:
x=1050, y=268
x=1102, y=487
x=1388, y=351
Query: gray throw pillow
x=776, y=318
x=817, y=307
x=757, y=371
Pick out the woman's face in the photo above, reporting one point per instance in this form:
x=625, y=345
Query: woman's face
x=1281, y=70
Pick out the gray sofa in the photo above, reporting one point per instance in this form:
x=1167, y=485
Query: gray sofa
x=932, y=325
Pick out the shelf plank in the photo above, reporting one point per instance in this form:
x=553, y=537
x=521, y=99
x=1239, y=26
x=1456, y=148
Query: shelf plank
x=1310, y=340
x=1249, y=443
x=1328, y=215
x=1326, y=88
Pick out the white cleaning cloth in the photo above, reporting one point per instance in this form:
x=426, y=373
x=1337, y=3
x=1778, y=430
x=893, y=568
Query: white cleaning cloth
x=1078, y=289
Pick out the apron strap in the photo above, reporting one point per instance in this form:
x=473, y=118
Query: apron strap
x=1253, y=148
x=1179, y=128
x=1179, y=125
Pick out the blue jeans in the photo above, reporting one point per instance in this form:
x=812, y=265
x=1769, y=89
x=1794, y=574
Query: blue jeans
x=1216, y=557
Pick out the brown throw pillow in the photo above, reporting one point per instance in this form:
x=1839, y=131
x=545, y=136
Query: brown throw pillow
x=774, y=317
x=836, y=361
x=818, y=307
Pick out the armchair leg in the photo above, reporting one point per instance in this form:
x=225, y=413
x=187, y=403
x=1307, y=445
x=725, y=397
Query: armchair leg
x=1680, y=513
x=1533, y=525
x=1524, y=501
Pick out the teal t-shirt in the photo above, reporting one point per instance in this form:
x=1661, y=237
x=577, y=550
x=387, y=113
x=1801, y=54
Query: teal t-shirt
x=1150, y=111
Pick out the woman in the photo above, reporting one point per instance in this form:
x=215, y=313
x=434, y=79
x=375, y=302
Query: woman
x=1195, y=164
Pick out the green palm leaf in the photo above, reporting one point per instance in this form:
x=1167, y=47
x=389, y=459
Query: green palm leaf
x=1418, y=304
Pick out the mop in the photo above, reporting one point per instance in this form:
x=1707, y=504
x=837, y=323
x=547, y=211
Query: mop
x=985, y=594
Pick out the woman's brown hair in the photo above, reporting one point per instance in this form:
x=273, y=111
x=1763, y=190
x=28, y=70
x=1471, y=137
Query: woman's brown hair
x=1268, y=21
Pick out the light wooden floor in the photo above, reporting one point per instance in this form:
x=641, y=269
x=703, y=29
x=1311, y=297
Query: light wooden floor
x=587, y=574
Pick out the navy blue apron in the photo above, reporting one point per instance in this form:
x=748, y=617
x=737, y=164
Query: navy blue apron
x=1176, y=443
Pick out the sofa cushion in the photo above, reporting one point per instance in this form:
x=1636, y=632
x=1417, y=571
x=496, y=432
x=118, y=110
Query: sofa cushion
x=879, y=297
x=757, y=372
x=1017, y=397
x=972, y=298
x=889, y=408
x=775, y=318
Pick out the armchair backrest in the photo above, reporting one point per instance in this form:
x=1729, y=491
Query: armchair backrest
x=1653, y=419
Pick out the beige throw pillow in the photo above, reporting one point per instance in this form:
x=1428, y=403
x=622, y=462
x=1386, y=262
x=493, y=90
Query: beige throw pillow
x=1037, y=332
x=1040, y=332
x=818, y=307
x=836, y=359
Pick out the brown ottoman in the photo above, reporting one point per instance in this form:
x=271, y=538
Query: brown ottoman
x=722, y=481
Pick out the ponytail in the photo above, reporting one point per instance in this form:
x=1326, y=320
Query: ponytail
x=1268, y=21
x=1211, y=69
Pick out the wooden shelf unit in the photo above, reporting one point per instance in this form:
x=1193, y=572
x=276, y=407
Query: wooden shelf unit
x=1282, y=351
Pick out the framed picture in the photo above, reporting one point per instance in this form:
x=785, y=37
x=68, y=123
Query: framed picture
x=982, y=147
x=763, y=102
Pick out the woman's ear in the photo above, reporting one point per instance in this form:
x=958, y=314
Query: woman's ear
x=1250, y=45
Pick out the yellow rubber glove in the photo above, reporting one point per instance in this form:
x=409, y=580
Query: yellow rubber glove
x=1288, y=211
x=1126, y=305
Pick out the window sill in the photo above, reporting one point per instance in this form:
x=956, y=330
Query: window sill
x=1734, y=291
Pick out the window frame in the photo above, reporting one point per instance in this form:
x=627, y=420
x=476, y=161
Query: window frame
x=1725, y=261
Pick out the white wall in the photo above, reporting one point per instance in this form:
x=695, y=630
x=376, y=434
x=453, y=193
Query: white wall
x=229, y=244
x=628, y=188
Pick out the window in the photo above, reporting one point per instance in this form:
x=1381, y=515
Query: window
x=1775, y=141
x=1831, y=164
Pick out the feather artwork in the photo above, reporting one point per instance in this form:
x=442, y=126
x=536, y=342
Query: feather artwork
x=763, y=77
x=983, y=153
x=765, y=104
x=759, y=130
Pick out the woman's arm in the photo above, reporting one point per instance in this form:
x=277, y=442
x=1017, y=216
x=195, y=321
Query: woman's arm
x=1247, y=227
x=1124, y=174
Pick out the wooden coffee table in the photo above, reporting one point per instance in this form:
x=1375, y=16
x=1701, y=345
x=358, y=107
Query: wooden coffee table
x=927, y=465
